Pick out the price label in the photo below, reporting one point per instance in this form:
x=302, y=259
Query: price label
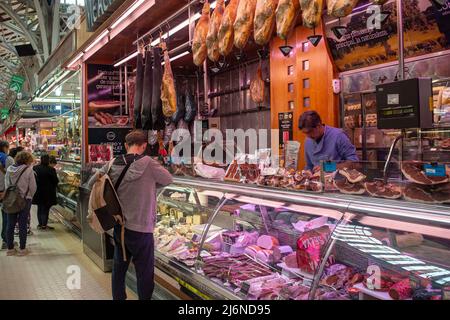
x=329, y=166
x=434, y=170
x=245, y=287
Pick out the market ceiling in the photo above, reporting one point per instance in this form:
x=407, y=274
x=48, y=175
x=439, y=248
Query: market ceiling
x=29, y=22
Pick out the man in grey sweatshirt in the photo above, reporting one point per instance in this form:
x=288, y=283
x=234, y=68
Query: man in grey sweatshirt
x=137, y=194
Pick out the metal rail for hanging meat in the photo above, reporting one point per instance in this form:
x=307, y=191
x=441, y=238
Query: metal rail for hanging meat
x=165, y=22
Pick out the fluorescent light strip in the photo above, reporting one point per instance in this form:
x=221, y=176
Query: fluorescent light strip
x=131, y=56
x=71, y=63
x=100, y=37
x=127, y=13
x=177, y=57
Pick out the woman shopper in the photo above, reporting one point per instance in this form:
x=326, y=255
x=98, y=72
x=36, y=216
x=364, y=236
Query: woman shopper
x=5, y=162
x=20, y=174
x=45, y=196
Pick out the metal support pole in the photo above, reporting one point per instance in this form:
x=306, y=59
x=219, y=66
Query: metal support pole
x=206, y=85
x=401, y=43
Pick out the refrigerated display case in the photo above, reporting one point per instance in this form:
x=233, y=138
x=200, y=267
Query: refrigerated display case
x=67, y=210
x=220, y=240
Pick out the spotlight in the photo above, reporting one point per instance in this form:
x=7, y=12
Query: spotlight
x=339, y=31
x=315, y=39
x=286, y=50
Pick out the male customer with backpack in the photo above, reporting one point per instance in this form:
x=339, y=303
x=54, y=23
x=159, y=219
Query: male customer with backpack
x=137, y=194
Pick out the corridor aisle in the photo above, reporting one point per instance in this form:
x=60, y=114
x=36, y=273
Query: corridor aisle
x=43, y=274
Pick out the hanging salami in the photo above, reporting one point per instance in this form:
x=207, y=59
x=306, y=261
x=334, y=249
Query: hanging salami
x=157, y=114
x=138, y=92
x=146, y=112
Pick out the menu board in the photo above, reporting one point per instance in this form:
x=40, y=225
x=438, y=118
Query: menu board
x=368, y=40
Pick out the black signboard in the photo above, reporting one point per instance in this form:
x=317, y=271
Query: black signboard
x=97, y=11
x=285, y=125
x=110, y=136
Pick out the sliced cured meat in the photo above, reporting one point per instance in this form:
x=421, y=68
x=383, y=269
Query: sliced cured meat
x=168, y=94
x=265, y=256
x=243, y=26
x=291, y=260
x=146, y=112
x=381, y=190
x=264, y=20
x=199, y=49
x=349, y=188
x=226, y=30
x=352, y=175
x=413, y=172
x=286, y=15
x=401, y=290
x=267, y=242
x=252, y=250
x=257, y=88
x=340, y=8
x=279, y=252
x=441, y=194
x=212, y=40
x=418, y=194
x=311, y=12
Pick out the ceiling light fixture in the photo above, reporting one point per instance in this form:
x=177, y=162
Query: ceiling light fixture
x=99, y=38
x=72, y=63
x=131, y=56
x=127, y=13
x=178, y=56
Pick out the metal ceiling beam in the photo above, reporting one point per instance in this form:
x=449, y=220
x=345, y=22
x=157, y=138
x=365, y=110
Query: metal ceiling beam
x=12, y=67
x=43, y=28
x=28, y=3
x=56, y=25
x=12, y=27
x=20, y=23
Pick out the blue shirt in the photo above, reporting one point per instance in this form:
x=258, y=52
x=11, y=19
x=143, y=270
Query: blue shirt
x=334, y=146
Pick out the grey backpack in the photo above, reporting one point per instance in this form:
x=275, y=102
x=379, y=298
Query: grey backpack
x=13, y=201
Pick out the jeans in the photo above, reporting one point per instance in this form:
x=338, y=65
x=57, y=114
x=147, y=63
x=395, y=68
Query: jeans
x=4, y=225
x=139, y=248
x=22, y=219
x=42, y=214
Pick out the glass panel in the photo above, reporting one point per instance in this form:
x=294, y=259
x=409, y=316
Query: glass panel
x=306, y=102
x=305, y=65
x=305, y=46
x=306, y=83
x=290, y=87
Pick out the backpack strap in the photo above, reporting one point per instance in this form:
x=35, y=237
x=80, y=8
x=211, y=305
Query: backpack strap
x=122, y=175
x=20, y=176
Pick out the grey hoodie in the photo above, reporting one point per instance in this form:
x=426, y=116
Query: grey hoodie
x=137, y=192
x=9, y=162
x=27, y=182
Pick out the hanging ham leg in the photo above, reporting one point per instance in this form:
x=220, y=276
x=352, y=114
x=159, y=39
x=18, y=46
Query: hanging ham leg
x=243, y=26
x=168, y=94
x=340, y=8
x=286, y=15
x=257, y=89
x=264, y=20
x=212, y=40
x=199, y=50
x=311, y=12
x=226, y=30
x=146, y=112
x=138, y=92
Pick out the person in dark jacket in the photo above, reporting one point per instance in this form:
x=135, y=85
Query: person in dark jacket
x=45, y=196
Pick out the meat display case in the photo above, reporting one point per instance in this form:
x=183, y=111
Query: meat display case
x=67, y=210
x=224, y=240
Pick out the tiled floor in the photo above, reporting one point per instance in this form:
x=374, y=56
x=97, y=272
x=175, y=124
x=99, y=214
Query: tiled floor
x=44, y=273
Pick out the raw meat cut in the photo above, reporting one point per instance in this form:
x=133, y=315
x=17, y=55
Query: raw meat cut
x=310, y=248
x=352, y=175
x=226, y=30
x=257, y=88
x=243, y=26
x=418, y=194
x=146, y=112
x=191, y=109
x=279, y=252
x=265, y=256
x=401, y=290
x=199, y=50
x=311, y=12
x=157, y=117
x=264, y=20
x=441, y=193
x=381, y=190
x=252, y=250
x=291, y=260
x=212, y=40
x=349, y=188
x=267, y=242
x=413, y=172
x=138, y=92
x=181, y=109
x=340, y=8
x=286, y=16
x=168, y=94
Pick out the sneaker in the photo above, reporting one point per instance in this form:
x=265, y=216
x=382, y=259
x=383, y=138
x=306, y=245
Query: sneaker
x=23, y=252
x=49, y=228
x=4, y=246
x=30, y=233
x=11, y=252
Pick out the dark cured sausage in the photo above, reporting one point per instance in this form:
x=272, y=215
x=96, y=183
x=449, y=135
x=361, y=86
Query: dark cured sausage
x=138, y=92
x=146, y=112
x=181, y=109
x=191, y=110
x=157, y=113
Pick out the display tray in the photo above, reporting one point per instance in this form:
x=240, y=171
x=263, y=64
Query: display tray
x=380, y=295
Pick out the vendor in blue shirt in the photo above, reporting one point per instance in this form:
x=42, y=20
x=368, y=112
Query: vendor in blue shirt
x=324, y=143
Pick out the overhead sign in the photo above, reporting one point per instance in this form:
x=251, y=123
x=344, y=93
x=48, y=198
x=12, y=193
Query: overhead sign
x=97, y=11
x=16, y=83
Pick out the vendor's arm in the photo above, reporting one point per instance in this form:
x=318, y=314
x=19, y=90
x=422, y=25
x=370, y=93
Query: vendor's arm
x=347, y=151
x=309, y=164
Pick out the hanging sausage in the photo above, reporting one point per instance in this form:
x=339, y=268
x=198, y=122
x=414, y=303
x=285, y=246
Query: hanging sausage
x=243, y=26
x=226, y=30
x=264, y=20
x=191, y=110
x=286, y=15
x=340, y=8
x=181, y=108
x=168, y=94
x=157, y=114
x=146, y=112
x=257, y=88
x=199, y=50
x=212, y=40
x=139, y=86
